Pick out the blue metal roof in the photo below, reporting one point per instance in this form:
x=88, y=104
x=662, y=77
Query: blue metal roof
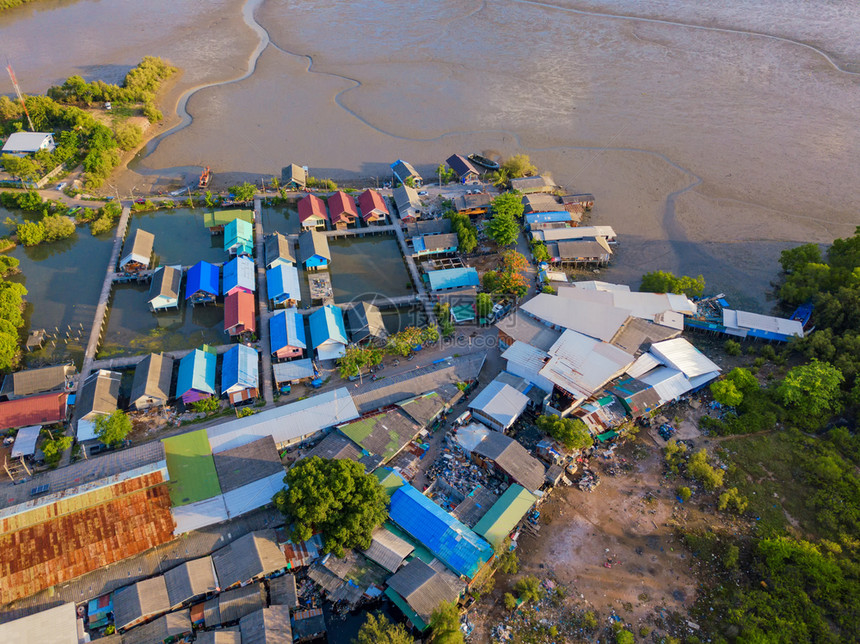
x=418, y=244
x=453, y=278
x=454, y=543
x=239, y=272
x=287, y=329
x=197, y=372
x=239, y=368
x=203, y=276
x=282, y=282
x=548, y=217
x=327, y=324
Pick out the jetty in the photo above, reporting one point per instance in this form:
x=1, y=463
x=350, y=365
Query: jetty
x=263, y=305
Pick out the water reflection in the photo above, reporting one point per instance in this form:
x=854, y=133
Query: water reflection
x=180, y=237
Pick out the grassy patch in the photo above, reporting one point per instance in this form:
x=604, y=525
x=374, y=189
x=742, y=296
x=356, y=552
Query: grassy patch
x=766, y=465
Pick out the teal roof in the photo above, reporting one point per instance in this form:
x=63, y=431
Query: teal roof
x=448, y=278
x=238, y=233
x=197, y=372
x=505, y=514
x=327, y=324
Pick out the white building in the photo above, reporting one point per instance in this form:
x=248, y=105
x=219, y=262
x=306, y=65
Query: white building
x=21, y=144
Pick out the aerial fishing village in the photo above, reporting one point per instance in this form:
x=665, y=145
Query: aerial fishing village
x=143, y=495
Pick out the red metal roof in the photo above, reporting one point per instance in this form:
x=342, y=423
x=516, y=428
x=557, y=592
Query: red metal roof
x=342, y=208
x=371, y=202
x=311, y=206
x=239, y=312
x=33, y=410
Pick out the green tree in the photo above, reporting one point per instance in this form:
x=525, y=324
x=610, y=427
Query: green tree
x=356, y=358
x=731, y=499
x=510, y=601
x=726, y=393
x=12, y=302
x=53, y=449
x=8, y=265
x=22, y=167
x=378, y=630
x=503, y=229
x=57, y=227
x=528, y=588
x=540, y=251
x=113, y=429
x=244, y=192
x=508, y=203
x=622, y=635
x=209, y=199
x=335, y=497
x=570, y=432
x=812, y=390
x=208, y=405
x=519, y=165
x=31, y=233
x=685, y=493
x=9, y=351
x=101, y=225
x=128, y=135
x=798, y=257
x=666, y=282
x=699, y=469
x=445, y=625
x=484, y=304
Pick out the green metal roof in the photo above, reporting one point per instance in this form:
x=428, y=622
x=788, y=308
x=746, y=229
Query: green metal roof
x=605, y=436
x=224, y=217
x=406, y=609
x=388, y=479
x=191, y=468
x=506, y=513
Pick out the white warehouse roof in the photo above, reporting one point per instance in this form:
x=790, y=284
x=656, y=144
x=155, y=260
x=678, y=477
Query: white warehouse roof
x=591, y=318
x=683, y=356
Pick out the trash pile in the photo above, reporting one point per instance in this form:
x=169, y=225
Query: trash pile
x=458, y=471
x=666, y=431
x=589, y=480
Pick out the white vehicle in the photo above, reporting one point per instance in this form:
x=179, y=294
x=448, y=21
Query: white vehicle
x=108, y=106
x=62, y=185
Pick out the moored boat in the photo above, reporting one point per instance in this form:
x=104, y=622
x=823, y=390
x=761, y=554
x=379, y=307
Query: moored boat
x=205, y=176
x=483, y=161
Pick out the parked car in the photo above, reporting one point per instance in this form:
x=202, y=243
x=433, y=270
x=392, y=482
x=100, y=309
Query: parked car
x=140, y=200
x=62, y=185
x=422, y=193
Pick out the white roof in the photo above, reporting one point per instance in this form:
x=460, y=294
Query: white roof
x=294, y=370
x=647, y=306
x=199, y=515
x=642, y=365
x=526, y=355
x=253, y=495
x=331, y=350
x=86, y=430
x=578, y=232
x=595, y=285
x=56, y=625
x=733, y=319
x=25, y=141
x=288, y=423
x=501, y=402
x=556, y=276
x=683, y=356
x=670, y=384
x=25, y=441
x=471, y=435
x=581, y=365
x=591, y=318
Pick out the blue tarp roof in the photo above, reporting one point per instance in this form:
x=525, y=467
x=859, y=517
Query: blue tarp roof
x=548, y=217
x=197, y=372
x=327, y=324
x=239, y=272
x=453, y=278
x=239, y=367
x=203, y=276
x=456, y=545
x=418, y=244
x=281, y=281
x=287, y=329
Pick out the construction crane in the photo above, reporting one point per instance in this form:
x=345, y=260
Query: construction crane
x=18, y=92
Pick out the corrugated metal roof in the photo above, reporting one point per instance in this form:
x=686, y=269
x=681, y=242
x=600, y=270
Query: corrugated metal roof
x=590, y=318
x=287, y=329
x=387, y=549
x=282, y=283
x=527, y=184
x=558, y=216
x=26, y=141
x=253, y=495
x=526, y=355
x=238, y=602
x=239, y=369
x=139, y=601
x=25, y=439
x=683, y=356
x=313, y=208
x=335, y=446
x=578, y=232
x=194, y=516
x=506, y=513
x=424, y=588
x=197, y=372
x=642, y=365
x=509, y=456
x=407, y=201
x=267, y=626
x=767, y=323
x=247, y=463
x=279, y=249
x=223, y=217
x=326, y=324
x=670, y=384
x=34, y=381
x=461, y=165
x=253, y=555
x=190, y=580
x=501, y=402
x=202, y=277
x=448, y=278
x=152, y=378
x=219, y=637
x=342, y=208
x=52, y=626
x=529, y=331
x=294, y=370
x=423, y=409
x=306, y=417
x=450, y=540
x=166, y=283
x=313, y=243
x=167, y=626
x=98, y=395
x=43, y=410
x=382, y=434
x=239, y=272
x=140, y=248
x=365, y=321
x=403, y=170
x=282, y=591
x=371, y=202
x=236, y=232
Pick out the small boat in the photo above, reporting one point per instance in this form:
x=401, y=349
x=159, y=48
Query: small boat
x=484, y=161
x=205, y=176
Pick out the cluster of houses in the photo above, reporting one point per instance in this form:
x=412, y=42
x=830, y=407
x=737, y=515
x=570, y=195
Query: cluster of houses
x=339, y=211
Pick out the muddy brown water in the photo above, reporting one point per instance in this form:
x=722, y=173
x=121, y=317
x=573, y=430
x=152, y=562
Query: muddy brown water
x=713, y=137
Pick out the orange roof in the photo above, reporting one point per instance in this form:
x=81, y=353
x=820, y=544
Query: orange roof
x=33, y=410
x=372, y=205
x=342, y=208
x=311, y=206
x=61, y=548
x=239, y=312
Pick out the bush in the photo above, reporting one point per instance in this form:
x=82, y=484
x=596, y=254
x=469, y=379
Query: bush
x=128, y=135
x=101, y=225
x=206, y=405
x=733, y=500
x=510, y=601
x=700, y=470
x=152, y=113
x=529, y=589
x=57, y=227
x=684, y=493
x=732, y=347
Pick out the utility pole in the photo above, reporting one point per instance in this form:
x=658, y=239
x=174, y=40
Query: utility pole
x=18, y=92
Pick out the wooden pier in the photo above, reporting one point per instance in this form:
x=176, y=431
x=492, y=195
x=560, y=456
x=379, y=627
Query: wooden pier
x=265, y=314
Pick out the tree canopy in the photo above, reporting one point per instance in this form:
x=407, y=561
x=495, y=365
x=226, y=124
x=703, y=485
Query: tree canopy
x=378, y=630
x=570, y=432
x=445, y=625
x=812, y=390
x=357, y=358
x=508, y=203
x=666, y=282
x=334, y=497
x=519, y=165
x=503, y=229
x=113, y=429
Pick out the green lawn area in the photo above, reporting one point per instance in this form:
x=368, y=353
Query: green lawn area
x=765, y=465
x=191, y=468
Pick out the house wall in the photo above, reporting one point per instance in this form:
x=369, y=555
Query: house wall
x=285, y=353
x=487, y=420
x=147, y=402
x=316, y=262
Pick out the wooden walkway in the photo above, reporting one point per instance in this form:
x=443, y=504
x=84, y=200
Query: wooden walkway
x=124, y=362
x=422, y=296
x=263, y=302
